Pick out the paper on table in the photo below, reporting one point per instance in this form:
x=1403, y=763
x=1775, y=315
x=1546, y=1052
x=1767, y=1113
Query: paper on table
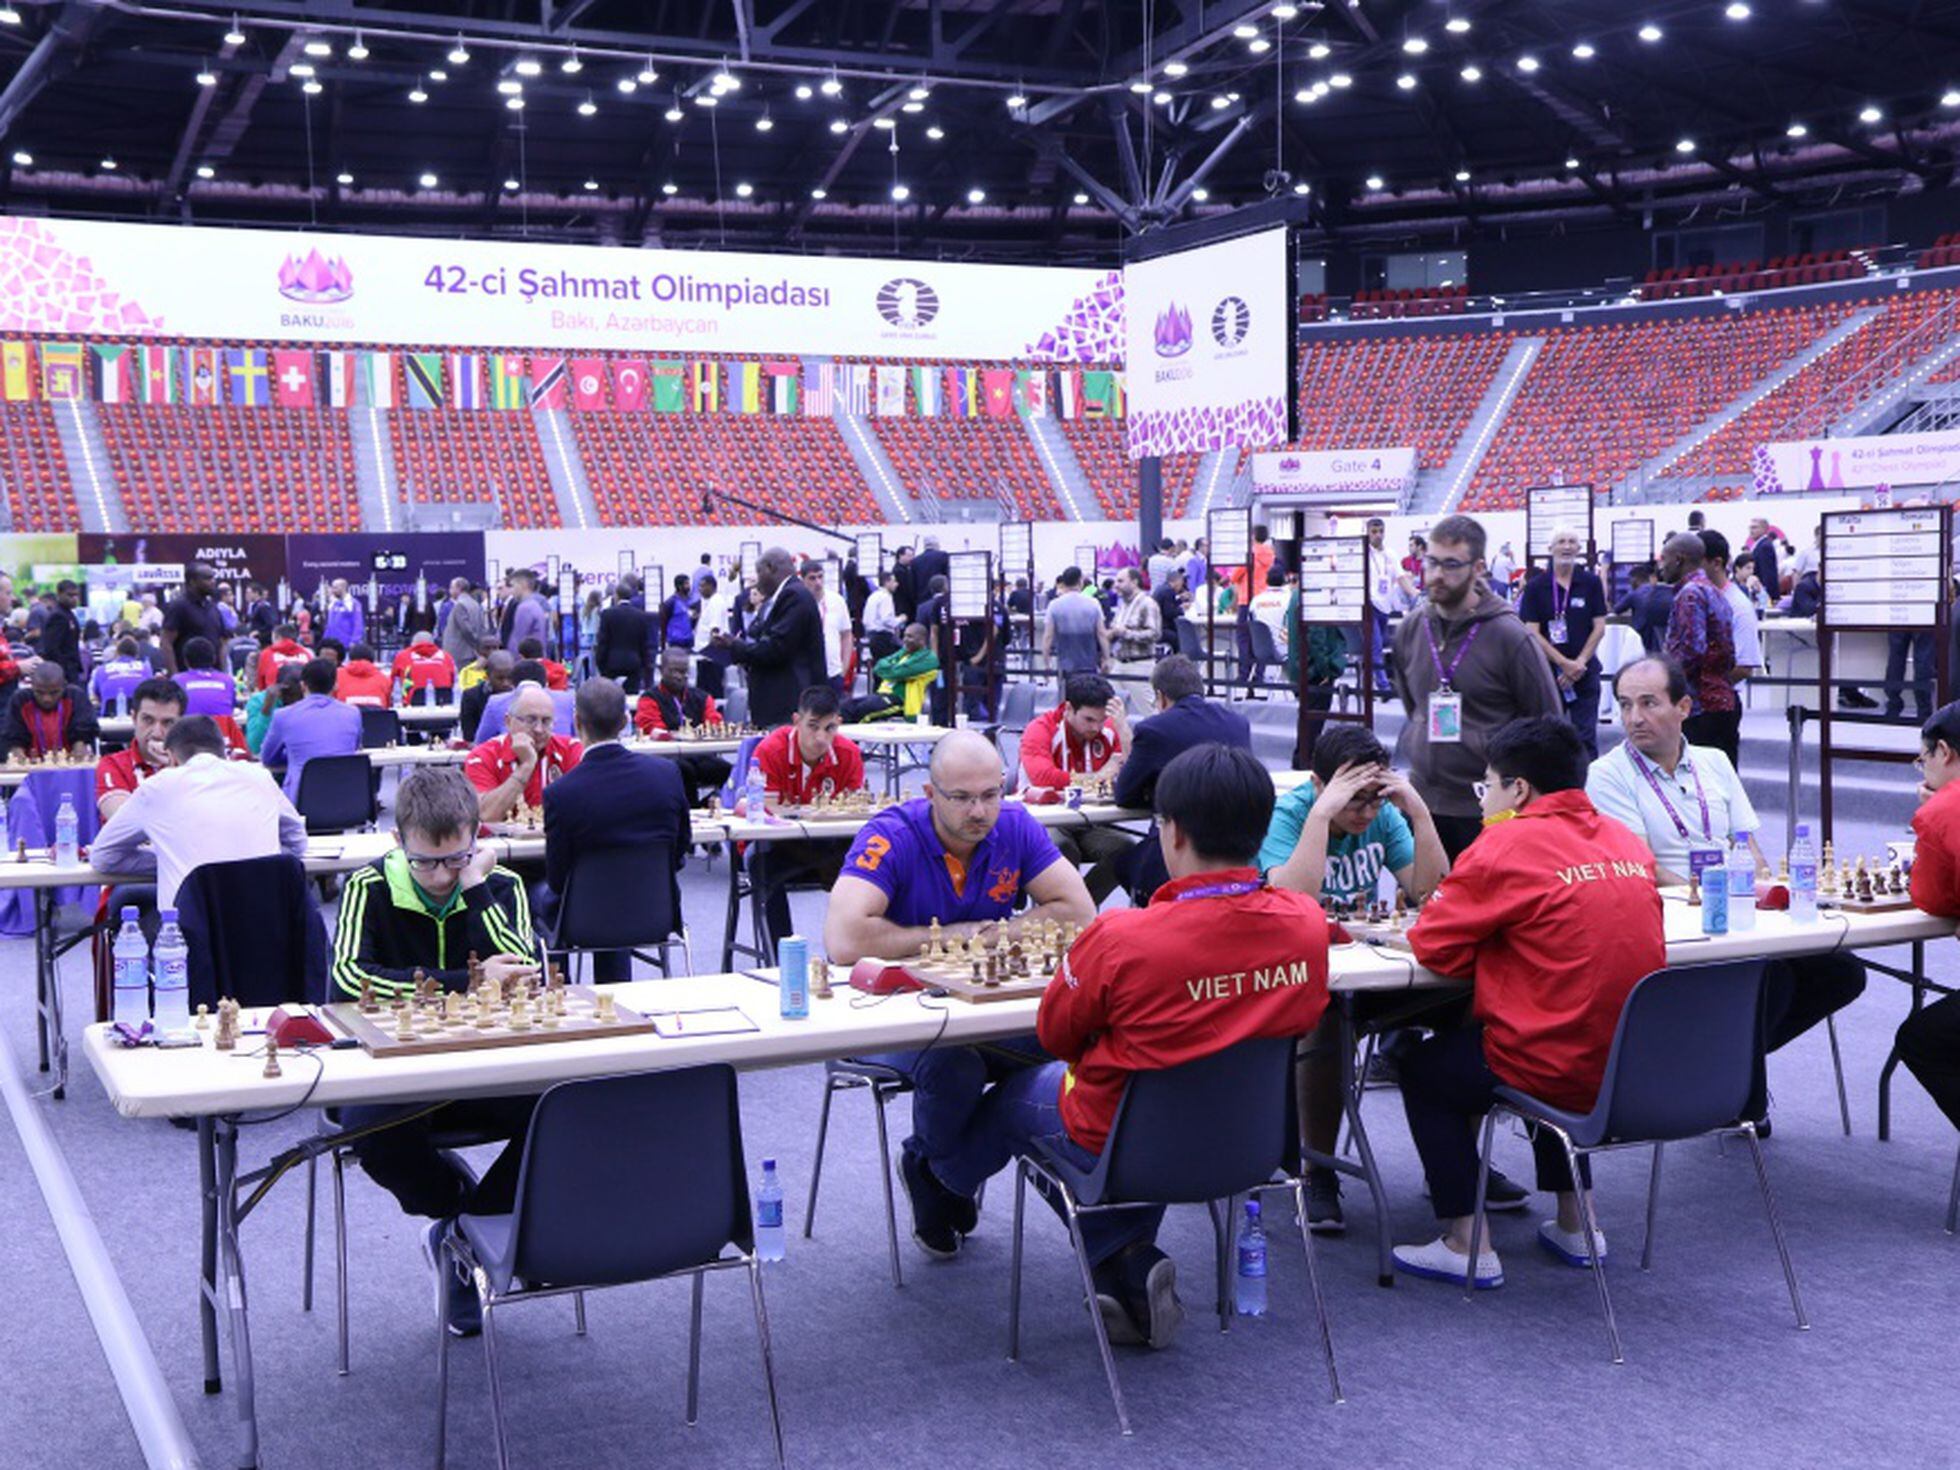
x=719, y=1021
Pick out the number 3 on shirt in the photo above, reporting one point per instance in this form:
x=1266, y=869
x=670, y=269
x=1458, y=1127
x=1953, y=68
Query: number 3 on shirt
x=874, y=852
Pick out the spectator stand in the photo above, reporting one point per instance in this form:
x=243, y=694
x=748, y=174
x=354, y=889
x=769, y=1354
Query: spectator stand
x=1632, y=543
x=1228, y=536
x=1550, y=508
x=1333, y=593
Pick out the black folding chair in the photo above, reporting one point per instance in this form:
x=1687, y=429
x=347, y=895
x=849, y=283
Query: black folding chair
x=336, y=793
x=379, y=727
x=620, y=898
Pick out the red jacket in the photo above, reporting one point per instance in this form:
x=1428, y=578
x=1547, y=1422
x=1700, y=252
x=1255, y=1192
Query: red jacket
x=274, y=658
x=1050, y=753
x=360, y=682
x=1554, y=915
x=1197, y=971
x=1936, y=857
x=491, y=764
x=690, y=707
x=555, y=676
x=420, y=666
x=792, y=783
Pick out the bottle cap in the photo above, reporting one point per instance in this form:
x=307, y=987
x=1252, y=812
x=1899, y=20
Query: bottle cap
x=768, y=1165
x=130, y=913
x=167, y=916
x=1252, y=1208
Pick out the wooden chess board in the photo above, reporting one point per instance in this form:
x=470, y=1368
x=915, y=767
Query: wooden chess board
x=376, y=1031
x=839, y=809
x=1387, y=935
x=1878, y=903
x=1025, y=981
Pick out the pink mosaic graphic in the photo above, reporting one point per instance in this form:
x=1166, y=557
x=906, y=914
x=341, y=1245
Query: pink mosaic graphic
x=1093, y=329
x=46, y=288
x=1256, y=423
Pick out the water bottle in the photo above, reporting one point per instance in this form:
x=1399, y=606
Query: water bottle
x=171, y=959
x=67, y=835
x=1250, y=1298
x=132, y=971
x=1705, y=862
x=1742, y=887
x=753, y=791
x=1803, y=877
x=769, y=1240
x=793, y=972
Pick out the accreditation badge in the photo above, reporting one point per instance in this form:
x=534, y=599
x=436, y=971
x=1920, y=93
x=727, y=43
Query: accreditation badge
x=1445, y=717
x=1556, y=634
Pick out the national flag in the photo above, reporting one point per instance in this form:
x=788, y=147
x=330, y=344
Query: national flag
x=338, y=371
x=61, y=370
x=857, y=389
x=1068, y=384
x=378, y=373
x=550, y=381
x=997, y=387
x=668, y=381
x=891, y=390
x=925, y=390
x=507, y=380
x=156, y=374
x=1101, y=398
x=705, y=385
x=112, y=378
x=588, y=383
x=745, y=387
x=629, y=375
x=465, y=380
x=962, y=392
x=204, y=382
x=424, y=371
x=1031, y=392
x=293, y=384
x=820, y=391
x=785, y=385
x=16, y=371
x=250, y=380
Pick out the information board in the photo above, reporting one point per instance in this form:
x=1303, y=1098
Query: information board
x=870, y=554
x=653, y=587
x=1884, y=568
x=969, y=579
x=1085, y=558
x=1334, y=579
x=625, y=563
x=748, y=553
x=1228, y=534
x=1631, y=543
x=1016, y=547
x=1548, y=508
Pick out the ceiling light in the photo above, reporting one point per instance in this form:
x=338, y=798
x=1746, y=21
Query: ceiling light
x=804, y=92
x=1320, y=89
x=1140, y=87
x=358, y=51
x=673, y=114
x=1245, y=33
x=912, y=107
x=935, y=132
x=1375, y=181
x=511, y=186
x=1341, y=79
x=1457, y=25
x=1258, y=45
x=528, y=66
x=1415, y=45
x=819, y=193
x=515, y=104
x=108, y=165
x=743, y=191
x=1584, y=51
x=838, y=125
x=884, y=123
x=976, y=196
x=571, y=66
x=901, y=193
x=1081, y=198
x=627, y=86
x=311, y=88
x=1686, y=145
x=1650, y=33
x=1472, y=73
x=587, y=107
x=1306, y=96
x=438, y=75
x=919, y=94
x=459, y=54
x=1284, y=12
x=706, y=99
x=9, y=16
x=670, y=188
x=1737, y=10
x=1870, y=114
x=233, y=37
x=317, y=48
x=1463, y=176
x=1950, y=98
x=591, y=186
x=205, y=171
x=1201, y=195
x=207, y=78
x=727, y=80
x=1572, y=163
x=1528, y=63
x=343, y=179
x=418, y=95
x=1406, y=82
x=427, y=181
x=1798, y=130
x=765, y=123
x=300, y=69
x=510, y=86
x=1016, y=102
x=831, y=87
x=1320, y=51
x=1220, y=103
x=1303, y=188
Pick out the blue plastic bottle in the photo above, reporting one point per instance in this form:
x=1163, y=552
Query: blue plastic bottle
x=793, y=977
x=1249, y=1300
x=67, y=835
x=770, y=1244
x=172, y=961
x=132, y=971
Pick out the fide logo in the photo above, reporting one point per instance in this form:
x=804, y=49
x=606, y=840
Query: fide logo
x=907, y=303
x=1231, y=319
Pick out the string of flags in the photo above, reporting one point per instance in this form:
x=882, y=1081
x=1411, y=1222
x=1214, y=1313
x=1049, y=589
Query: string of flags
x=260, y=377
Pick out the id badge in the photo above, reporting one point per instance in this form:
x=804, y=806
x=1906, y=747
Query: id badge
x=1445, y=717
x=1557, y=633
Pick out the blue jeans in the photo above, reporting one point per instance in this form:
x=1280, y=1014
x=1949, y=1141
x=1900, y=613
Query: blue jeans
x=948, y=1083
x=1022, y=1110
x=1377, y=640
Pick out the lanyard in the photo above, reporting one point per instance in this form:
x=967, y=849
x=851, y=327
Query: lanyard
x=1559, y=606
x=1230, y=889
x=1681, y=827
x=1445, y=676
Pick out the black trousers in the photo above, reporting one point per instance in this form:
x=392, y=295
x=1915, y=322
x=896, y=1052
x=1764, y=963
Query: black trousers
x=1719, y=730
x=1319, y=698
x=1447, y=1087
x=404, y=1160
x=701, y=774
x=1456, y=833
x=1920, y=645
x=709, y=670
x=777, y=864
x=1800, y=992
x=1929, y=1045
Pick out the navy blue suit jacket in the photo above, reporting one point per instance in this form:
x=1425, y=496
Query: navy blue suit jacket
x=615, y=798
x=1192, y=721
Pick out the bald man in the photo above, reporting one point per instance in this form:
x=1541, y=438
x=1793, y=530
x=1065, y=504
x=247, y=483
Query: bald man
x=520, y=763
x=784, y=652
x=959, y=856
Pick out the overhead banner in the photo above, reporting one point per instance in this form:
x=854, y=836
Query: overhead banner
x=1858, y=463
x=392, y=561
x=1208, y=339
x=159, y=560
x=102, y=278
x=1337, y=476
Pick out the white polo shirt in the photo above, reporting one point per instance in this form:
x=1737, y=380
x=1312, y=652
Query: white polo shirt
x=1668, y=816
x=206, y=811
x=1748, y=640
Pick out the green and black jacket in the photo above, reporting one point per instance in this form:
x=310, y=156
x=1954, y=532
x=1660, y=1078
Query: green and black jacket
x=389, y=928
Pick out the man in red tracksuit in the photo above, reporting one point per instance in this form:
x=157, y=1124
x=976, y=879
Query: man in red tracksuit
x=284, y=649
x=1088, y=733
x=1217, y=958
x=1929, y=1041
x=1553, y=914
x=801, y=761
x=423, y=665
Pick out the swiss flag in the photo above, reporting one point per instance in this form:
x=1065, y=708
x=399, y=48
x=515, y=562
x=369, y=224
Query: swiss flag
x=629, y=385
x=292, y=380
x=588, y=383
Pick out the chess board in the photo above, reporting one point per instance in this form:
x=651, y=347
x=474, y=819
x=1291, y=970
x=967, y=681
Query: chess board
x=434, y=1036
x=1024, y=981
x=1386, y=935
x=692, y=734
x=950, y=965
x=1878, y=903
x=852, y=807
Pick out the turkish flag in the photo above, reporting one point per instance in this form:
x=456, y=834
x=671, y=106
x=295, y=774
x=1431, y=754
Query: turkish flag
x=588, y=383
x=629, y=385
x=292, y=380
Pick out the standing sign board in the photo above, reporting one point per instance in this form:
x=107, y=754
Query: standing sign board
x=1631, y=542
x=749, y=553
x=870, y=555
x=1228, y=537
x=1086, y=558
x=1017, y=559
x=969, y=595
x=1333, y=593
x=1549, y=508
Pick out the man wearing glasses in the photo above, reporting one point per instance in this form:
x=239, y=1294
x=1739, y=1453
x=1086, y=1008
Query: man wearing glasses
x=427, y=906
x=959, y=856
x=518, y=764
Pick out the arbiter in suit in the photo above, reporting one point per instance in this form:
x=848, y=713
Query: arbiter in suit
x=783, y=651
x=1184, y=720
x=623, y=646
x=612, y=798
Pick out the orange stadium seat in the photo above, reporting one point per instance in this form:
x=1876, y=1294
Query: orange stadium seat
x=40, y=491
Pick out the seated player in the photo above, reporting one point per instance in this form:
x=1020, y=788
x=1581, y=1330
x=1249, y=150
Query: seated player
x=956, y=856
x=423, y=673
x=1929, y=1041
x=318, y=724
x=472, y=673
x=1126, y=1002
x=208, y=689
x=266, y=703
x=1553, y=916
x=428, y=905
x=497, y=706
x=902, y=679
x=1086, y=734
x=516, y=767
x=113, y=683
x=671, y=705
x=49, y=716
x=801, y=761
x=555, y=675
x=283, y=650
x=497, y=676
x=1333, y=837
x=158, y=704
x=1675, y=795
x=360, y=682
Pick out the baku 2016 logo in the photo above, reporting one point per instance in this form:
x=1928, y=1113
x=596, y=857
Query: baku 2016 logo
x=1173, y=335
x=1230, y=321
x=316, y=280
x=907, y=303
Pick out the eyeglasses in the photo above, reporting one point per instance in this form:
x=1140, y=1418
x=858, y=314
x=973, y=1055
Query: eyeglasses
x=970, y=798
x=454, y=861
x=1481, y=789
x=1447, y=563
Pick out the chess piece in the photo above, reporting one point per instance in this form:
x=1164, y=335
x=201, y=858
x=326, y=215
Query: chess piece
x=203, y=1021
x=935, y=945
x=271, y=1059
x=1694, y=890
x=369, y=1005
x=520, y=1014
x=554, y=975
x=452, y=1008
x=475, y=972
x=607, y=1013
x=227, y=1037
x=820, y=978
x=20, y=851
x=404, y=1021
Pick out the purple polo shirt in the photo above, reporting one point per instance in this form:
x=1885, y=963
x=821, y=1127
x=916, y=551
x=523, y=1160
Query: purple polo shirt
x=318, y=725
x=208, y=692
x=115, y=680
x=900, y=854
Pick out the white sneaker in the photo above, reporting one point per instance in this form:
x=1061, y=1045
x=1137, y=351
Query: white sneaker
x=1570, y=1245
x=1438, y=1262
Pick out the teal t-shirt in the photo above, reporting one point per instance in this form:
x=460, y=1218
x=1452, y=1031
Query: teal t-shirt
x=1354, y=862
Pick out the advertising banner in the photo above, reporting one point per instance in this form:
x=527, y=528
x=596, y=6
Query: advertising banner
x=1858, y=463
x=37, y=562
x=159, y=560
x=1335, y=476
x=394, y=560
x=1209, y=347
x=103, y=278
